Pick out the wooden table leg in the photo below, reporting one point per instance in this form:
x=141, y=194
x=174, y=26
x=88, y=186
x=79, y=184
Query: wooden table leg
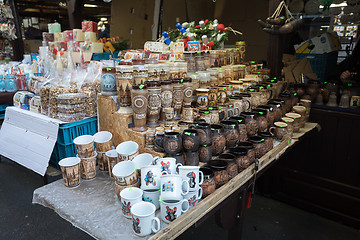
x=231, y=215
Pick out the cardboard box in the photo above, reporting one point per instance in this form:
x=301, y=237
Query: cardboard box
x=324, y=43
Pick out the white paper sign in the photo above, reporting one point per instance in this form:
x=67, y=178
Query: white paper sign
x=28, y=138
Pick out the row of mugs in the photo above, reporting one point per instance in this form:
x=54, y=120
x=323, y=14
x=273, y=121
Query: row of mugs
x=135, y=204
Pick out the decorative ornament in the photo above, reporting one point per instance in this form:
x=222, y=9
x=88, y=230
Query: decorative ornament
x=277, y=24
x=202, y=24
x=221, y=27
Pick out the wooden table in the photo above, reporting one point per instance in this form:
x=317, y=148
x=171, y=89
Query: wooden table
x=227, y=203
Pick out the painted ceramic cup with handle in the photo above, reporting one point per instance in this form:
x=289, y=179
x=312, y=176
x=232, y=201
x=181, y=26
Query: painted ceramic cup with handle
x=143, y=160
x=152, y=196
x=150, y=177
x=168, y=164
x=192, y=175
x=172, y=209
x=194, y=197
x=125, y=173
x=279, y=130
x=129, y=196
x=143, y=219
x=127, y=150
x=173, y=187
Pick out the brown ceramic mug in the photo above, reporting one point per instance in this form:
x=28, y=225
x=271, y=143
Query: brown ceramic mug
x=290, y=123
x=279, y=130
x=189, y=114
x=302, y=111
x=297, y=120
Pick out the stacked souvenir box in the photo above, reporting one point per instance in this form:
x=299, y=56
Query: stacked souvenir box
x=74, y=39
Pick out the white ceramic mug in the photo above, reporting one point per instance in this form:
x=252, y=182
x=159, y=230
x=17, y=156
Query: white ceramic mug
x=143, y=218
x=150, y=177
x=124, y=173
x=127, y=150
x=168, y=164
x=172, y=209
x=173, y=187
x=152, y=196
x=130, y=196
x=144, y=160
x=193, y=175
x=194, y=197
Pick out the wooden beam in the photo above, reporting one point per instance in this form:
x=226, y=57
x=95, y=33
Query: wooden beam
x=75, y=8
x=18, y=44
x=275, y=48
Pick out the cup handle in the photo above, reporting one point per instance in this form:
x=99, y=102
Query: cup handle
x=155, y=222
x=200, y=193
x=196, y=112
x=177, y=167
x=157, y=145
x=201, y=177
x=248, y=104
x=272, y=130
x=187, y=187
x=187, y=205
x=164, y=173
x=236, y=111
x=155, y=160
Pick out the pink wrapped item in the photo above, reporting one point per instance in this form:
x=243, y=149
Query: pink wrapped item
x=89, y=26
x=48, y=37
x=68, y=35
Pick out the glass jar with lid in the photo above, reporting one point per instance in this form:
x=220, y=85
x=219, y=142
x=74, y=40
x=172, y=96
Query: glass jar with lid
x=204, y=78
x=200, y=64
x=213, y=77
x=207, y=59
x=222, y=58
x=189, y=57
x=214, y=58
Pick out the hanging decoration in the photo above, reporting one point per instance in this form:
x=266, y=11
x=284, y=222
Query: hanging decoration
x=277, y=24
x=210, y=34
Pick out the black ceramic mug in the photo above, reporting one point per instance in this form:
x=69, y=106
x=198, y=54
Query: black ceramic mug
x=171, y=143
x=191, y=140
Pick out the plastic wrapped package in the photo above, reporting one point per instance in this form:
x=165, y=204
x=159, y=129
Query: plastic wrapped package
x=71, y=117
x=2, y=84
x=45, y=99
x=91, y=90
x=78, y=35
x=53, y=94
x=59, y=37
x=48, y=37
x=90, y=37
x=54, y=27
x=71, y=98
x=71, y=108
x=68, y=35
x=89, y=26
